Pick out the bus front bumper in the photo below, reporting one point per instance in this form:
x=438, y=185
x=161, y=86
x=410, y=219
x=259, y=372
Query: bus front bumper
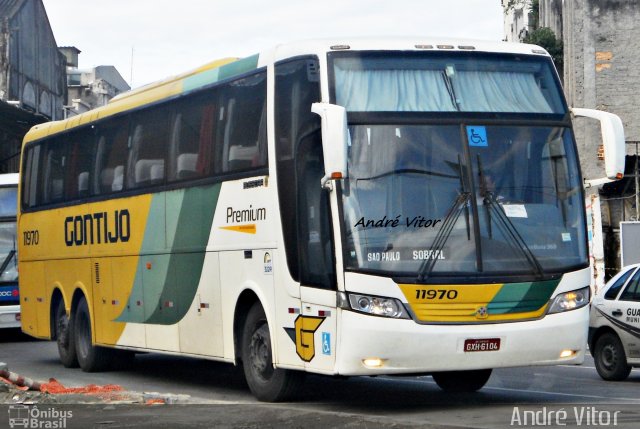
x=403, y=346
x=9, y=316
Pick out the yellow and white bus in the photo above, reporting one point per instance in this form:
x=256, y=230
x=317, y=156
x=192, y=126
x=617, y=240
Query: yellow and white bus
x=343, y=207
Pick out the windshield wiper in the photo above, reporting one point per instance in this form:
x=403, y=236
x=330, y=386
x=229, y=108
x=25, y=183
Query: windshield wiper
x=460, y=204
x=408, y=171
x=505, y=225
x=6, y=261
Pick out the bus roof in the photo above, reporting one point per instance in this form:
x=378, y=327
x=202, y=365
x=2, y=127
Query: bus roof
x=9, y=179
x=322, y=46
x=222, y=69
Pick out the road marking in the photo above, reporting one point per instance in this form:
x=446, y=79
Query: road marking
x=634, y=401
x=578, y=366
x=507, y=389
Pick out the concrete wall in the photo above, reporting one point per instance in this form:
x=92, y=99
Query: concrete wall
x=602, y=67
x=551, y=16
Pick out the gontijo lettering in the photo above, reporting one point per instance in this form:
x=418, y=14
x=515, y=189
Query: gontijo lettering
x=246, y=215
x=97, y=228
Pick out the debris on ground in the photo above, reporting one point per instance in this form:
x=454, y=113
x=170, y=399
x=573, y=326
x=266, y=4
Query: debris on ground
x=16, y=389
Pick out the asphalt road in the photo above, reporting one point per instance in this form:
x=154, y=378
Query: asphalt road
x=219, y=397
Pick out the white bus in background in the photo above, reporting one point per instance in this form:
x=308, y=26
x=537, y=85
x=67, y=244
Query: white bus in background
x=9, y=293
x=341, y=207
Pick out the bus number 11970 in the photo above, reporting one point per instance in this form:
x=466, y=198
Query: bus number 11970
x=436, y=294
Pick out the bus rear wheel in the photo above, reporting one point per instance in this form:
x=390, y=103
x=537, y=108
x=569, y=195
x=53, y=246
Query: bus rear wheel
x=462, y=381
x=64, y=337
x=267, y=383
x=90, y=357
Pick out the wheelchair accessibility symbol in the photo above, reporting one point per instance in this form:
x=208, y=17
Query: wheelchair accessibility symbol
x=477, y=136
x=326, y=343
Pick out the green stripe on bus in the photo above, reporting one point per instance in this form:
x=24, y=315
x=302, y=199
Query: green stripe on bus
x=215, y=75
x=522, y=297
x=187, y=254
x=167, y=286
x=244, y=65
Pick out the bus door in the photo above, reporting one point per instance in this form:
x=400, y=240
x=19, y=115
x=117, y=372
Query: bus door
x=306, y=298
x=317, y=261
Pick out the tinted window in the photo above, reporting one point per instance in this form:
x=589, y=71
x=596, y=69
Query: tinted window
x=148, y=142
x=631, y=292
x=53, y=174
x=80, y=164
x=612, y=292
x=296, y=88
x=30, y=176
x=111, y=156
x=242, y=123
x=193, y=138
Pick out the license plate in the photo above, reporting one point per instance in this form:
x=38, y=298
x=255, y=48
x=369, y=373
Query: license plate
x=482, y=345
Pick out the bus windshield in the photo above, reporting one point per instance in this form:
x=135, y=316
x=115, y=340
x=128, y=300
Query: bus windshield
x=8, y=246
x=462, y=194
x=444, y=82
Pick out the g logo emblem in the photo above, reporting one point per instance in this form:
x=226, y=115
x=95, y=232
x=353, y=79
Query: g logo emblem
x=482, y=312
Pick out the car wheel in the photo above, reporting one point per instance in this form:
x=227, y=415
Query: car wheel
x=610, y=358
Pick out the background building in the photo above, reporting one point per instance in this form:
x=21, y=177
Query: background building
x=601, y=41
x=32, y=75
x=89, y=88
x=40, y=82
x=518, y=20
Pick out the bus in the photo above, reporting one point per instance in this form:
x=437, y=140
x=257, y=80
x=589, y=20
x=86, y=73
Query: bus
x=9, y=293
x=338, y=207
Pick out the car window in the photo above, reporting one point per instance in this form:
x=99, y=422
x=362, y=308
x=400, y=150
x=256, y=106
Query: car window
x=612, y=292
x=631, y=291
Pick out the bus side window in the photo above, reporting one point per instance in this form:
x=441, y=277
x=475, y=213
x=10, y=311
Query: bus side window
x=111, y=156
x=192, y=139
x=243, y=142
x=30, y=177
x=147, y=152
x=54, y=167
x=81, y=154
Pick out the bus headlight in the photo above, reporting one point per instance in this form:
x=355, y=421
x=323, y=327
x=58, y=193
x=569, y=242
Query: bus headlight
x=374, y=305
x=570, y=300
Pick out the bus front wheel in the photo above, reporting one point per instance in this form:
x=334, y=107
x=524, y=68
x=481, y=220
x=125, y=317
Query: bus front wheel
x=462, y=381
x=267, y=383
x=64, y=337
x=90, y=357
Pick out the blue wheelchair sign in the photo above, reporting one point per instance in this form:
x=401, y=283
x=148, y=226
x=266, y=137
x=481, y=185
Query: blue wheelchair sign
x=326, y=343
x=477, y=136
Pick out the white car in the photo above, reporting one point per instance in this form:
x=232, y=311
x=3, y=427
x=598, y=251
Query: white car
x=614, y=326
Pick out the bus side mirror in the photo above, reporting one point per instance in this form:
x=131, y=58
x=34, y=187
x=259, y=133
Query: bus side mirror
x=335, y=140
x=612, y=141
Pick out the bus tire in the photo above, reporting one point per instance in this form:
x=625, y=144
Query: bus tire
x=90, y=357
x=267, y=383
x=462, y=381
x=610, y=358
x=65, y=337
